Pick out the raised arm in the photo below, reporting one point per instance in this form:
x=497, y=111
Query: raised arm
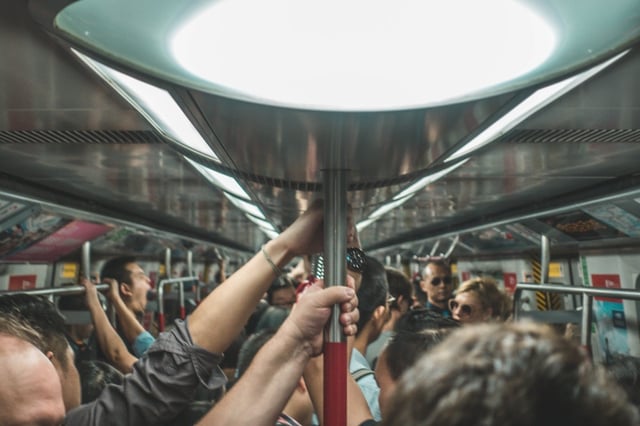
x=129, y=324
x=110, y=342
x=212, y=325
x=278, y=366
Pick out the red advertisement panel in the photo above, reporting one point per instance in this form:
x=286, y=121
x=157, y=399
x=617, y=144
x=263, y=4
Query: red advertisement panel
x=606, y=281
x=22, y=282
x=510, y=281
x=62, y=242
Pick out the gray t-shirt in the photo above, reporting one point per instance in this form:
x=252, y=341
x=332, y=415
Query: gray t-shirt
x=162, y=384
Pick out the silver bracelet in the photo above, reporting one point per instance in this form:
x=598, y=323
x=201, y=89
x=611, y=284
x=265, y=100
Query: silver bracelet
x=277, y=271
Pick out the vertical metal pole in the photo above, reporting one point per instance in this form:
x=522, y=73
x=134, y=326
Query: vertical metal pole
x=192, y=274
x=167, y=263
x=161, y=319
x=86, y=259
x=183, y=311
x=587, y=317
x=544, y=261
x=335, y=248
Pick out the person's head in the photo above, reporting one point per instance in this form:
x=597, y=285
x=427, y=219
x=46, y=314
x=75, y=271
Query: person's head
x=30, y=393
x=400, y=353
x=299, y=404
x=437, y=283
x=420, y=319
x=95, y=376
x=625, y=371
x=507, y=374
x=133, y=283
x=282, y=292
x=20, y=312
x=272, y=318
x=479, y=300
x=373, y=297
x=401, y=289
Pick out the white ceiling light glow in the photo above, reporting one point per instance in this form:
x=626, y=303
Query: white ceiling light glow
x=538, y=100
x=155, y=104
x=361, y=54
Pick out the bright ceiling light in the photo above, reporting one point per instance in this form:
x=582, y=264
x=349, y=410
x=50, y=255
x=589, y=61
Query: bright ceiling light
x=222, y=181
x=263, y=224
x=361, y=54
x=538, y=100
x=246, y=206
x=155, y=104
x=427, y=180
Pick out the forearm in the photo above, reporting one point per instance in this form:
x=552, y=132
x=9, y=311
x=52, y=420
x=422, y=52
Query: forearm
x=108, y=340
x=222, y=315
x=266, y=386
x=357, y=407
x=129, y=324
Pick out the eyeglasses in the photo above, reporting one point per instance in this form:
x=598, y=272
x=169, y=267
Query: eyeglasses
x=465, y=310
x=445, y=280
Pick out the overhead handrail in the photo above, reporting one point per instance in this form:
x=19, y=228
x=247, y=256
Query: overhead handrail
x=588, y=293
x=55, y=291
x=160, y=289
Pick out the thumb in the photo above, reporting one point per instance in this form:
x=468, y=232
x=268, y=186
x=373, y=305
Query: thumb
x=334, y=295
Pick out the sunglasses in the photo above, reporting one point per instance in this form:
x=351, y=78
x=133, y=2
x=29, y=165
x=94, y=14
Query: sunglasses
x=465, y=310
x=437, y=280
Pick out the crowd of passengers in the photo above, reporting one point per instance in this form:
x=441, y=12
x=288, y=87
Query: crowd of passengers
x=421, y=352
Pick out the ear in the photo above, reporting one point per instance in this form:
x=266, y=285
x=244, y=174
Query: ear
x=49, y=355
x=423, y=285
x=379, y=315
x=125, y=289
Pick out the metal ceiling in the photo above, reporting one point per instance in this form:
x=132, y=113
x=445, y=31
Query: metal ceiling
x=68, y=140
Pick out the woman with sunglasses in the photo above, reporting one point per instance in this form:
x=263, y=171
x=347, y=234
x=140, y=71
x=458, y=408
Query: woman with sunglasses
x=480, y=300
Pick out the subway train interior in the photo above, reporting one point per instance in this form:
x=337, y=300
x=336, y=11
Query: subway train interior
x=126, y=129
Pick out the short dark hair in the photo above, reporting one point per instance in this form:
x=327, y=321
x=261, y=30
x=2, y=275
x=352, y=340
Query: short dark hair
x=423, y=319
x=42, y=316
x=95, y=376
x=116, y=269
x=373, y=291
x=250, y=348
x=399, y=285
x=406, y=347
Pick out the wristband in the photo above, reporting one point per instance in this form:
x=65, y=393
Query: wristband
x=277, y=271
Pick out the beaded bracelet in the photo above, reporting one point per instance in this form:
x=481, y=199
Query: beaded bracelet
x=277, y=271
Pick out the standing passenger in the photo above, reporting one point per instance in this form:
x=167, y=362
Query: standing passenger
x=438, y=284
x=480, y=300
x=128, y=295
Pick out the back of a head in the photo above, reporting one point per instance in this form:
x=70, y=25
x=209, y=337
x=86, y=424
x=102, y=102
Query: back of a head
x=95, y=376
x=41, y=315
x=272, y=318
x=406, y=347
x=420, y=319
x=625, y=371
x=507, y=374
x=373, y=291
x=28, y=377
x=250, y=348
x=399, y=286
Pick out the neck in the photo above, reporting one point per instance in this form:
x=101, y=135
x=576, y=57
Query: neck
x=441, y=305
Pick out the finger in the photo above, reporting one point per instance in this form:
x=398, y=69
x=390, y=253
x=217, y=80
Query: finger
x=334, y=295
